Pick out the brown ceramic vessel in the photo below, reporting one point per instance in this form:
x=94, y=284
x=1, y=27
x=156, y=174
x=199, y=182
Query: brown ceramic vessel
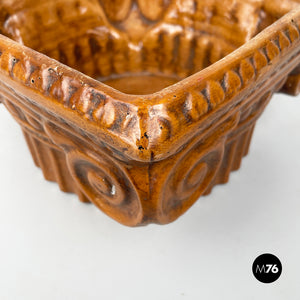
x=143, y=106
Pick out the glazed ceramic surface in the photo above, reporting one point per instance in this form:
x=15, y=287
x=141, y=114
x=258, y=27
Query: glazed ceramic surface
x=143, y=106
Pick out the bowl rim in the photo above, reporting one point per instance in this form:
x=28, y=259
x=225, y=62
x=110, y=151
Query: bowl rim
x=187, y=82
x=144, y=112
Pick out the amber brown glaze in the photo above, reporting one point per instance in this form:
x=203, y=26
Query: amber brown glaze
x=173, y=118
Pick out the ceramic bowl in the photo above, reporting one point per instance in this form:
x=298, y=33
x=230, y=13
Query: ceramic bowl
x=143, y=106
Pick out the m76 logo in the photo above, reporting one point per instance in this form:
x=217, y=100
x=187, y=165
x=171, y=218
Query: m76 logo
x=267, y=269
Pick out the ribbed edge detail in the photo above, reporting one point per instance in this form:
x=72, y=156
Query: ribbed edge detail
x=53, y=164
x=235, y=150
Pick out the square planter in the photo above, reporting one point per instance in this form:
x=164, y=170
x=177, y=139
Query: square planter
x=143, y=106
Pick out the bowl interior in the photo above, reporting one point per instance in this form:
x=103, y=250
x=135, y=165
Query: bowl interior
x=137, y=47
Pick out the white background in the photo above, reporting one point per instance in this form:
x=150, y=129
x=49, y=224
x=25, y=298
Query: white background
x=54, y=247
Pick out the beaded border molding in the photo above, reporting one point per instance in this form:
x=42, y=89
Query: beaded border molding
x=144, y=159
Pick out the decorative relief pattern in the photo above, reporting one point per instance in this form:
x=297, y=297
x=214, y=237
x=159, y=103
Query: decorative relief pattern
x=99, y=106
x=108, y=144
x=194, y=170
x=100, y=177
x=26, y=117
x=189, y=179
x=102, y=38
x=201, y=166
x=120, y=10
x=205, y=98
x=91, y=103
x=107, y=186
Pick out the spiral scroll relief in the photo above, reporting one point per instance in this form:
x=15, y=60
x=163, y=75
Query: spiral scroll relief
x=189, y=178
x=107, y=185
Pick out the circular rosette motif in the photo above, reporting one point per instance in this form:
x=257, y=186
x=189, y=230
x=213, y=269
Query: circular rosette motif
x=107, y=185
x=189, y=178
